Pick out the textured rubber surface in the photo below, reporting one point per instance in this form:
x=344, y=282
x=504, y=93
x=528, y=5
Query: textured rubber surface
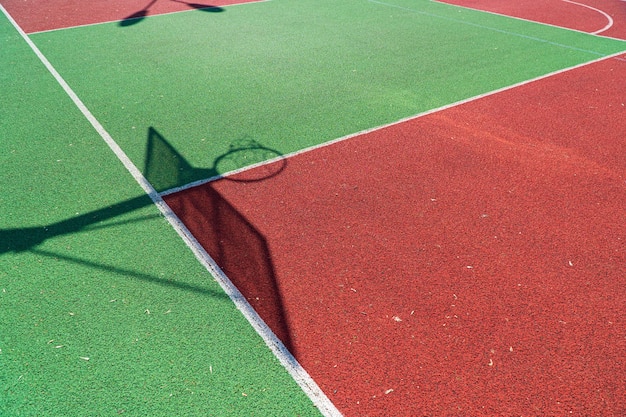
x=468, y=262
x=103, y=309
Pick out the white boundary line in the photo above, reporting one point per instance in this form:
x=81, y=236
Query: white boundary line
x=464, y=22
x=609, y=18
x=297, y=372
x=385, y=126
x=524, y=19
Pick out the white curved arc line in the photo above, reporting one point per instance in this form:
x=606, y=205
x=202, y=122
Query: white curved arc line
x=608, y=17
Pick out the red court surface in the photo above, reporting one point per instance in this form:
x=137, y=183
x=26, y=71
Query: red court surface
x=38, y=16
x=584, y=15
x=467, y=262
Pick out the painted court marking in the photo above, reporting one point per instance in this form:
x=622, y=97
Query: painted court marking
x=297, y=372
x=301, y=376
x=550, y=15
x=381, y=127
x=329, y=223
x=608, y=17
x=506, y=32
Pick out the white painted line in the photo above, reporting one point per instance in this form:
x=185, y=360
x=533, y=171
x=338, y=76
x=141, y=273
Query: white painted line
x=506, y=32
x=219, y=176
x=381, y=127
x=297, y=372
x=609, y=18
x=448, y=106
x=522, y=19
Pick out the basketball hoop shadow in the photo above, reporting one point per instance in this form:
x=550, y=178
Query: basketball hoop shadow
x=234, y=243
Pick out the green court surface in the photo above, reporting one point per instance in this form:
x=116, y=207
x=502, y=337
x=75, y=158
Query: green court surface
x=291, y=74
x=103, y=308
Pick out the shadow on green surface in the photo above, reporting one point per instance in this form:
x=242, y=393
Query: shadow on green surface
x=166, y=168
x=28, y=239
x=231, y=240
x=140, y=15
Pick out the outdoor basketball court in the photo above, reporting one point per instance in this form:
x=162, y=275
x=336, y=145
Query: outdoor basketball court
x=297, y=207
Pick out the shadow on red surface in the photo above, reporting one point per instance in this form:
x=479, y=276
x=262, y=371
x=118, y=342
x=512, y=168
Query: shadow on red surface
x=139, y=15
